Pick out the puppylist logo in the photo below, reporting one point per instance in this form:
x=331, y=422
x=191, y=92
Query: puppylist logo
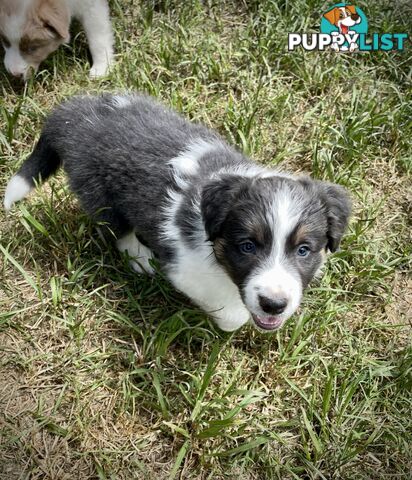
x=344, y=28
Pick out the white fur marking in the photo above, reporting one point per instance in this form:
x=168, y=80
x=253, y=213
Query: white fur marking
x=17, y=189
x=14, y=62
x=195, y=273
x=250, y=171
x=283, y=217
x=187, y=162
x=12, y=25
x=95, y=18
x=273, y=280
x=171, y=231
x=140, y=253
x=121, y=101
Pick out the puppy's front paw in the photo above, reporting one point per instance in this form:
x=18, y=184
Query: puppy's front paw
x=99, y=70
x=230, y=319
x=142, y=266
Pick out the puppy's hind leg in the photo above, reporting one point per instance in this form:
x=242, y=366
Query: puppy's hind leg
x=96, y=22
x=139, y=253
x=112, y=225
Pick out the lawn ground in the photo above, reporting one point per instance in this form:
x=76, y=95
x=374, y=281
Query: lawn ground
x=106, y=374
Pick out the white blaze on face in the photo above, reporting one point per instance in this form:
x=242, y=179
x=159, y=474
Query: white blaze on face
x=275, y=278
x=14, y=62
x=12, y=27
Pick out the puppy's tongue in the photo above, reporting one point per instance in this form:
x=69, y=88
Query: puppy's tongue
x=268, y=323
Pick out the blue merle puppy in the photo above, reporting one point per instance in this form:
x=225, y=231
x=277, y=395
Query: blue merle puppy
x=240, y=240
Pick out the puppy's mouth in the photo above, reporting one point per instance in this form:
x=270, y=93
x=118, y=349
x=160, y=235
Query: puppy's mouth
x=269, y=322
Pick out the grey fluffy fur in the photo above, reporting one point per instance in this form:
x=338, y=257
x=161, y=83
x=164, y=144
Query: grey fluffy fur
x=116, y=159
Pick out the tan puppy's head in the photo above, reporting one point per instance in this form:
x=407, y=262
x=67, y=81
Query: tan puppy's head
x=30, y=30
x=343, y=16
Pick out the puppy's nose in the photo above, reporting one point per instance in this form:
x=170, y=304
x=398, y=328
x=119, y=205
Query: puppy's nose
x=17, y=74
x=273, y=306
x=354, y=16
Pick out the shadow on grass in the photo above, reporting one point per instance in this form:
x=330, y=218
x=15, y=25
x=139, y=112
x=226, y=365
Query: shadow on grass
x=67, y=245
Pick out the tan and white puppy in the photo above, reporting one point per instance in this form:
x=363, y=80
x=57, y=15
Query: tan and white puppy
x=31, y=29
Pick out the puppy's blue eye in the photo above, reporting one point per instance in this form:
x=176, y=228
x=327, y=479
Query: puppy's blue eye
x=247, y=247
x=303, y=251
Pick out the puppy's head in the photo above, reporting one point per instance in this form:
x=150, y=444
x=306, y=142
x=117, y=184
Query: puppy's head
x=346, y=16
x=30, y=31
x=270, y=235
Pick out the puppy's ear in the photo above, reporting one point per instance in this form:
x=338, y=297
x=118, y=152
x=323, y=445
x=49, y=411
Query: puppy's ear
x=217, y=197
x=55, y=17
x=332, y=16
x=338, y=209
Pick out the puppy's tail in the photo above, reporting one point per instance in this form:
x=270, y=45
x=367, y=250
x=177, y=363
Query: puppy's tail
x=43, y=162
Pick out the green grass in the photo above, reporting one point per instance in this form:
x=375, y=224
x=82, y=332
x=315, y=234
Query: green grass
x=106, y=374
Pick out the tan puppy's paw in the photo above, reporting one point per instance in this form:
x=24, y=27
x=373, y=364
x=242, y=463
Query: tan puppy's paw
x=99, y=70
